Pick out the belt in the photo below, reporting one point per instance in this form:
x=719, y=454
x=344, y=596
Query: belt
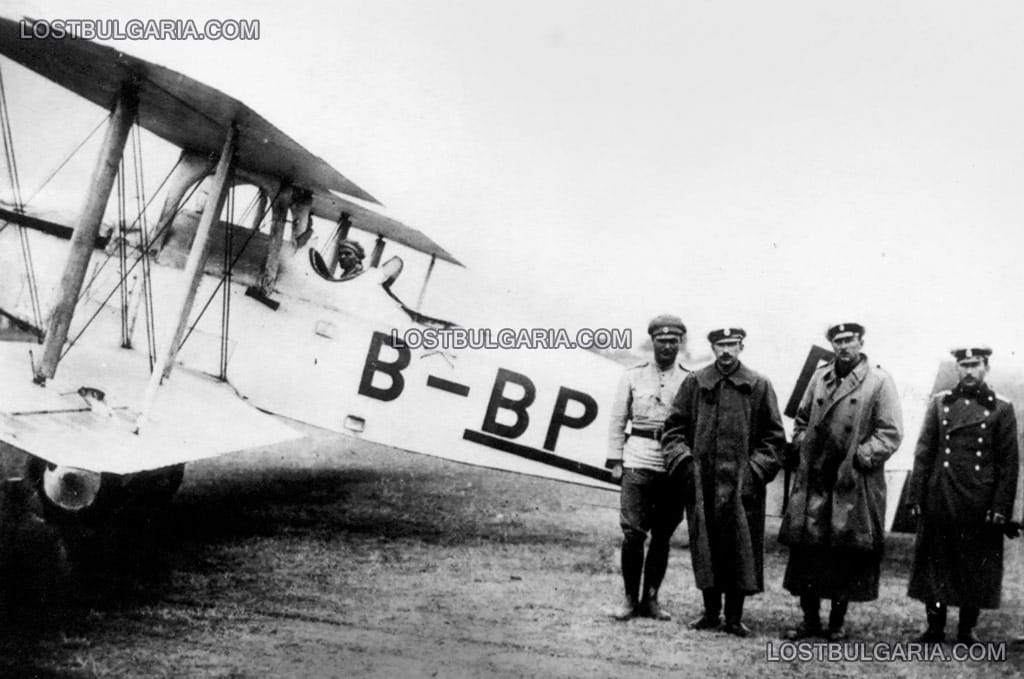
x=654, y=434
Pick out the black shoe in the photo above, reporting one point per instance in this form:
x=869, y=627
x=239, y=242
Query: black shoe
x=736, y=628
x=626, y=610
x=650, y=608
x=706, y=622
x=930, y=636
x=803, y=631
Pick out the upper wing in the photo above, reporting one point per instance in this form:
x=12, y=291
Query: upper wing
x=194, y=416
x=173, y=106
x=329, y=206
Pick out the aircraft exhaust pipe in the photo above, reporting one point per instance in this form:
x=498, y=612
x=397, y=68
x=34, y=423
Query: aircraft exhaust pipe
x=70, y=488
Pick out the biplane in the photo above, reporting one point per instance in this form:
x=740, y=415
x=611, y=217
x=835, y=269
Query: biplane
x=149, y=345
x=139, y=347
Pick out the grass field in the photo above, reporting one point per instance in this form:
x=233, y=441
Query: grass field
x=323, y=560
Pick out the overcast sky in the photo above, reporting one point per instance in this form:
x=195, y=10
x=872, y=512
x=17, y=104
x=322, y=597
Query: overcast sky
x=779, y=165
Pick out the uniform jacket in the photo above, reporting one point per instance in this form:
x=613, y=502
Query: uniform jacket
x=860, y=415
x=965, y=466
x=643, y=397
x=731, y=427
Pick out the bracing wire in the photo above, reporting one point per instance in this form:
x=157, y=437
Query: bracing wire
x=10, y=160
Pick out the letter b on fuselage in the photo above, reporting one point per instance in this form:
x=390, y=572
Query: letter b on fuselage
x=393, y=369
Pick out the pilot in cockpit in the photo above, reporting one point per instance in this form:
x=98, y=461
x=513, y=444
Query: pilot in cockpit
x=350, y=258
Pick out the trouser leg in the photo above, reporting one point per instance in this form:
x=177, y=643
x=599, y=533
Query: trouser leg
x=837, y=615
x=836, y=618
x=632, y=563
x=965, y=629
x=656, y=564
x=935, y=612
x=811, y=607
x=632, y=519
x=734, y=607
x=734, y=614
x=712, y=602
x=654, y=573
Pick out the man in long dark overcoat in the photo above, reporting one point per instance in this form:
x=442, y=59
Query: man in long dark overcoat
x=848, y=424
x=962, y=489
x=726, y=432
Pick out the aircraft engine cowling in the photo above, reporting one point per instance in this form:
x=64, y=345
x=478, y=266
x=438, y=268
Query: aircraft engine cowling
x=70, y=488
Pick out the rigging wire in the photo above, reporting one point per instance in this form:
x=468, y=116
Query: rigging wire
x=98, y=269
x=147, y=281
x=106, y=299
x=67, y=160
x=220, y=284
x=19, y=206
x=225, y=314
x=122, y=255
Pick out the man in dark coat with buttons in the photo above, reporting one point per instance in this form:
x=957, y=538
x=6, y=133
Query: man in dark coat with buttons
x=725, y=432
x=848, y=424
x=962, y=490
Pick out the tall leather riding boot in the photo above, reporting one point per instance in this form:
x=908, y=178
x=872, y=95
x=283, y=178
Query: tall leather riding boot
x=836, y=617
x=734, y=614
x=632, y=569
x=811, y=625
x=965, y=629
x=712, y=616
x=654, y=572
x=936, y=632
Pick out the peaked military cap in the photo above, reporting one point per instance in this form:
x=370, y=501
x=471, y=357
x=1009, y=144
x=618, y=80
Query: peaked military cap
x=726, y=334
x=968, y=353
x=666, y=324
x=844, y=330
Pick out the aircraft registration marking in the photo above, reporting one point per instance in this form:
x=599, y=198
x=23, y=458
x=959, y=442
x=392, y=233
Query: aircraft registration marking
x=447, y=385
x=507, y=414
x=506, y=446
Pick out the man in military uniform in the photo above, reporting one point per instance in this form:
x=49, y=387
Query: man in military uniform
x=962, y=489
x=648, y=503
x=726, y=431
x=848, y=424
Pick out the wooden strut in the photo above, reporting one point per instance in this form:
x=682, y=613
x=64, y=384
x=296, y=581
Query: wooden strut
x=330, y=251
x=378, y=251
x=426, y=279
x=193, y=274
x=83, y=238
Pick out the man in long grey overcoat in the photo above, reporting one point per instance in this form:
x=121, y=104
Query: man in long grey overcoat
x=848, y=424
x=962, y=489
x=725, y=432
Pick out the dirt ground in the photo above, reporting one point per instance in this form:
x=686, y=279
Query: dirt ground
x=328, y=559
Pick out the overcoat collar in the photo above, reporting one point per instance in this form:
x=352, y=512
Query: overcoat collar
x=849, y=384
x=742, y=377
x=983, y=395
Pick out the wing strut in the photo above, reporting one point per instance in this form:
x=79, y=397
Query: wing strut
x=378, y=251
x=426, y=279
x=83, y=239
x=193, y=272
